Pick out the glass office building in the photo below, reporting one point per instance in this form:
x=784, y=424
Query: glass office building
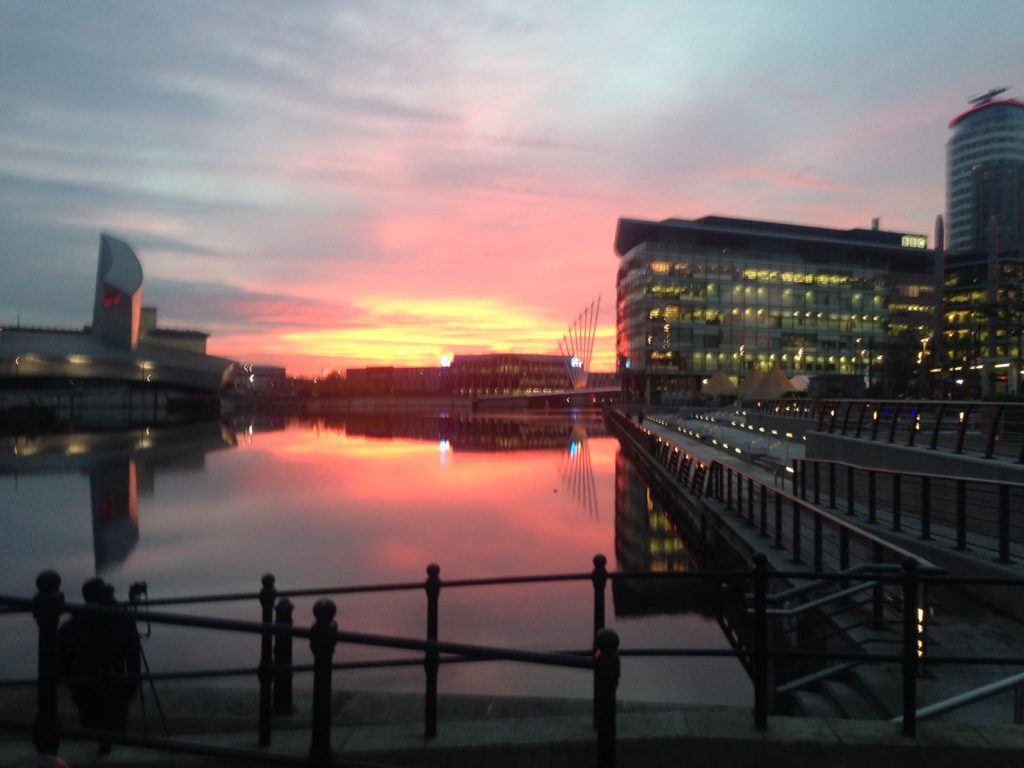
x=696, y=296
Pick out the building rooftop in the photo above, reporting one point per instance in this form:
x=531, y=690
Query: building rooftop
x=632, y=232
x=978, y=108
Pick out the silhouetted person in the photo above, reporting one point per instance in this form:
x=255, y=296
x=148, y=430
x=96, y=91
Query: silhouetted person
x=101, y=654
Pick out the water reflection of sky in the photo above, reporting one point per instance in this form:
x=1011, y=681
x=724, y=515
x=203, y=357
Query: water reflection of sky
x=319, y=506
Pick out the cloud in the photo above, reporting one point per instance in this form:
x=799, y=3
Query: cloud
x=284, y=167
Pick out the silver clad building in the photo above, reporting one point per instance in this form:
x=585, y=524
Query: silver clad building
x=121, y=357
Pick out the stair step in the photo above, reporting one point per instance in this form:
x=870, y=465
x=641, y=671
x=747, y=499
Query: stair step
x=848, y=701
x=881, y=685
x=812, y=704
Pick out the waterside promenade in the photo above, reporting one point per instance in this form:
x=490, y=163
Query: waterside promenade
x=977, y=620
x=380, y=729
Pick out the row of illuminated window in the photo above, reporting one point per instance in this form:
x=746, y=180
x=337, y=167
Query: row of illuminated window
x=785, y=298
x=686, y=270
x=797, y=361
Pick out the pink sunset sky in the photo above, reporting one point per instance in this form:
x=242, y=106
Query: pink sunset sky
x=330, y=185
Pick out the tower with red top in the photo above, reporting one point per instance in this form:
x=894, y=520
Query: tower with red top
x=985, y=177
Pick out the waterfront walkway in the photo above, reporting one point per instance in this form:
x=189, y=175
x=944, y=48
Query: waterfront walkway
x=962, y=624
x=386, y=730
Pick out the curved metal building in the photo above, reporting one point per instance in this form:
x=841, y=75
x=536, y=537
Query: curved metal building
x=120, y=346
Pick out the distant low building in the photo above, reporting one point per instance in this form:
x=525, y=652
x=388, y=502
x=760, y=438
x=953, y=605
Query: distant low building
x=509, y=374
x=504, y=373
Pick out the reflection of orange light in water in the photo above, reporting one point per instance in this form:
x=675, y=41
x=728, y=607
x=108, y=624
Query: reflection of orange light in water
x=133, y=492
x=410, y=509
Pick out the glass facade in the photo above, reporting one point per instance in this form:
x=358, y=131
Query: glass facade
x=696, y=296
x=982, y=318
x=985, y=178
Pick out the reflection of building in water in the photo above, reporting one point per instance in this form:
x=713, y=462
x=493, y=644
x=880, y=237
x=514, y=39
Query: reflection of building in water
x=469, y=432
x=121, y=467
x=578, y=473
x=646, y=541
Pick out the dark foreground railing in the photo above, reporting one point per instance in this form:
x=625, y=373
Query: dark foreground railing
x=602, y=659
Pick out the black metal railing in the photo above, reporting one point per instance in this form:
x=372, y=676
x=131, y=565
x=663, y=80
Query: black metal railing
x=601, y=659
x=985, y=430
x=963, y=512
x=785, y=519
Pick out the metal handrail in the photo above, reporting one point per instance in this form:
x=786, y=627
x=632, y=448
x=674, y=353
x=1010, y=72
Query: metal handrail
x=980, y=693
x=908, y=473
x=811, y=586
x=825, y=600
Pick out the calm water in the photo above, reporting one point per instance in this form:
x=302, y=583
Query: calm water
x=362, y=500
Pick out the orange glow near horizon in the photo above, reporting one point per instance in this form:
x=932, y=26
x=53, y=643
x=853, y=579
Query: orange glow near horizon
x=415, y=333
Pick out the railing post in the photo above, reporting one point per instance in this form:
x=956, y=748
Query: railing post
x=965, y=417
x=1004, y=523
x=599, y=578
x=266, y=670
x=606, y=679
x=764, y=510
x=817, y=483
x=1018, y=705
x=909, y=646
x=432, y=661
x=993, y=432
x=877, y=592
x=778, y=521
x=739, y=495
x=283, y=703
x=750, y=501
x=926, y=507
x=895, y=422
x=762, y=654
x=935, y=430
x=322, y=639
x=872, y=497
x=897, y=502
x=850, y=483
x=844, y=549
x=796, y=531
x=832, y=485
x=961, y=514
x=818, y=544
x=47, y=606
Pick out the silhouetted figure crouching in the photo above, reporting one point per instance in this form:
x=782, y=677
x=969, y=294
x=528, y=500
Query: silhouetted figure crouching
x=101, y=655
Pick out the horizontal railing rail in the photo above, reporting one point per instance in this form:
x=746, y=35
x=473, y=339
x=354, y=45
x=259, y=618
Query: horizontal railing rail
x=987, y=430
x=981, y=693
x=969, y=512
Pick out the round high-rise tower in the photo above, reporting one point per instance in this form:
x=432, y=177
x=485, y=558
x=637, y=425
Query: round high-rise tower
x=985, y=177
